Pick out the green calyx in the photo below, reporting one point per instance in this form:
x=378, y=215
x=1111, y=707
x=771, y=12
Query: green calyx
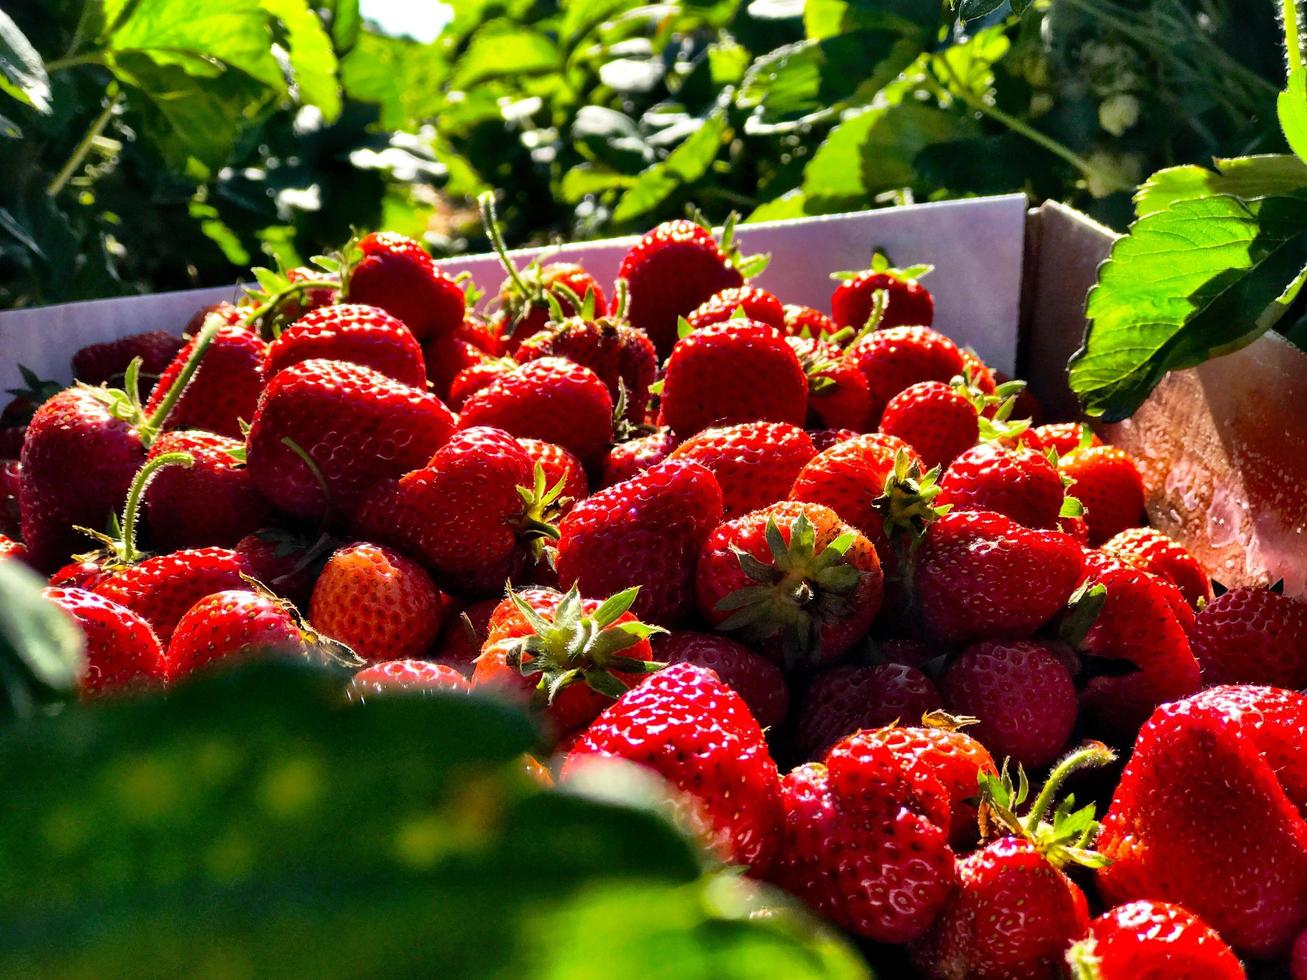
x=1082, y=609
x=747, y=266
x=120, y=542
x=880, y=263
x=573, y=646
x=275, y=288
x=906, y=505
x=1062, y=834
x=998, y=424
x=1084, y=960
x=541, y=506
x=795, y=592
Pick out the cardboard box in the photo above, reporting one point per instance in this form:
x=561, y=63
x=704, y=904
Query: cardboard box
x=1224, y=451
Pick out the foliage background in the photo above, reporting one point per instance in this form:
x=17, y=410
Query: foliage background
x=179, y=141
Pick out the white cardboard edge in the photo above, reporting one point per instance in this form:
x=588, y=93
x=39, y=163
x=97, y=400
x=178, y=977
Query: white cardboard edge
x=976, y=246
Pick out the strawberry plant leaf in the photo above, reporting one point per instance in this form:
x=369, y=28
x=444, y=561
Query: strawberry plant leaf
x=1248, y=178
x=22, y=71
x=41, y=647
x=1202, y=278
x=1291, y=107
x=310, y=54
x=825, y=18
x=684, y=165
x=969, y=10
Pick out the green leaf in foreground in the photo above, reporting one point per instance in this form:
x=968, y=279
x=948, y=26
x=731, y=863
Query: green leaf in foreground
x=1200, y=279
x=1249, y=178
x=40, y=646
x=254, y=822
x=22, y=72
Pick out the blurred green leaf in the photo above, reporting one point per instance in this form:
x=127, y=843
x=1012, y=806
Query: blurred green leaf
x=312, y=57
x=975, y=9
x=1249, y=178
x=684, y=165
x=586, y=179
x=1291, y=106
x=502, y=48
x=826, y=18
x=346, y=24
x=792, y=204
x=41, y=647
x=22, y=72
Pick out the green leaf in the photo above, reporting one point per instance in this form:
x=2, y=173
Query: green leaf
x=40, y=646
x=1203, y=278
x=22, y=72
x=346, y=24
x=791, y=204
x=585, y=179
x=1248, y=178
x=826, y=18
x=969, y=10
x=802, y=82
x=684, y=165
x=312, y=57
x=504, y=49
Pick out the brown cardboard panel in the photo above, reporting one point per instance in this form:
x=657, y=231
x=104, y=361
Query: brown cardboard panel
x=1224, y=453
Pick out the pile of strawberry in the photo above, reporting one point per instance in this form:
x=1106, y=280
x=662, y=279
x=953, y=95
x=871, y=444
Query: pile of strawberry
x=703, y=531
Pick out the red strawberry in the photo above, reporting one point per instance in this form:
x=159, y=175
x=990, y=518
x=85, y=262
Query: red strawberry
x=837, y=392
x=284, y=562
x=212, y=502
x=622, y=356
x=223, y=312
x=669, y=272
x=223, y=391
x=103, y=363
x=1023, y=695
x=938, y=420
x=471, y=513
x=1015, y=912
x=628, y=459
x=909, y=302
x=1152, y=941
x=1298, y=957
x=804, y=321
x=161, y=589
x=404, y=677
x=686, y=725
x=524, y=302
x=9, y=548
x=793, y=579
x=752, y=676
x=646, y=531
x=227, y=624
x=351, y=332
x=1154, y=552
x=446, y=358
x=899, y=357
x=980, y=575
x=738, y=371
x=1065, y=436
x=78, y=461
x=324, y=292
x=1208, y=814
x=754, y=462
x=472, y=379
x=980, y=376
x=1253, y=636
x=551, y=399
x=463, y=636
x=823, y=439
x=1019, y=482
x=1109, y=484
x=865, y=841
x=396, y=274
x=121, y=649
x=380, y=604
x=559, y=466
x=357, y=426
x=757, y=303
x=842, y=700
x=570, y=657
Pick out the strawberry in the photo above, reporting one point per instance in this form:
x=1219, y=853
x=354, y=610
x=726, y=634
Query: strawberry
x=223, y=391
x=752, y=676
x=793, y=579
x=757, y=303
x=837, y=391
x=1253, y=636
x=669, y=272
x=1208, y=814
x=1298, y=957
x=898, y=357
x=686, y=725
x=1065, y=436
x=404, y=677
x=223, y=312
x=446, y=358
x=395, y=273
x=229, y=624
x=864, y=841
x=9, y=548
x=1022, y=695
x=1020, y=482
x=738, y=371
x=212, y=502
x=646, y=531
x=823, y=439
x=351, y=332
x=551, y=399
x=121, y=650
x=1152, y=941
x=980, y=375
x=559, y=466
x=841, y=700
x=1107, y=481
x=323, y=290
x=326, y=431
x=284, y=562
x=524, y=298
x=78, y=461
x=99, y=364
x=463, y=636
x=1154, y=552
x=570, y=657
x=980, y=575
x=1136, y=628
x=473, y=378
x=628, y=459
x=161, y=589
x=938, y=420
x=804, y=321
x=755, y=462
x=380, y=604
x=622, y=356
x=1015, y=911
x=908, y=302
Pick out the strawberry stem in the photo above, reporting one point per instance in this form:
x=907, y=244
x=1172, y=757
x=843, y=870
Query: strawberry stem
x=149, y=429
x=1089, y=754
x=126, y=546
x=491, y=222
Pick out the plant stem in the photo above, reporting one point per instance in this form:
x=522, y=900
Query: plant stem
x=72, y=61
x=488, y=218
x=154, y=424
x=70, y=167
x=140, y=483
x=1292, y=36
x=1090, y=754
